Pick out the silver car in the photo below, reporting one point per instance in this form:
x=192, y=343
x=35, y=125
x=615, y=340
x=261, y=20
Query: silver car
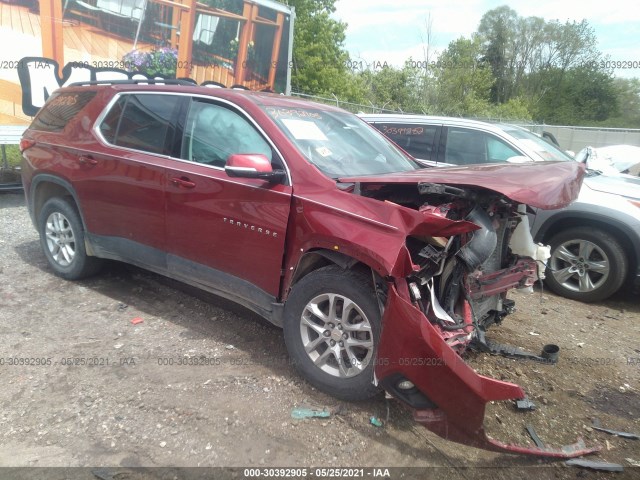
x=595, y=241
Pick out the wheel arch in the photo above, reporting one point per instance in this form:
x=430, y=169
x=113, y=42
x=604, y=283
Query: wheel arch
x=46, y=186
x=317, y=258
x=617, y=229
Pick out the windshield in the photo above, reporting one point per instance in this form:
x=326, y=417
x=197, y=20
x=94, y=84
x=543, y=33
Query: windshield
x=339, y=143
x=543, y=148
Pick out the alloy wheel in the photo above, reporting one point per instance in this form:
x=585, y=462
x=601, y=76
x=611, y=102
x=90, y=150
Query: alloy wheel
x=60, y=239
x=336, y=335
x=580, y=265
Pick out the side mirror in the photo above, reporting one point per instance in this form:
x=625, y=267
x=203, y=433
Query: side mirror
x=518, y=159
x=252, y=165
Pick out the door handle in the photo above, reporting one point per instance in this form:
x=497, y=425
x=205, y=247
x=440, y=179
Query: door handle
x=182, y=182
x=87, y=160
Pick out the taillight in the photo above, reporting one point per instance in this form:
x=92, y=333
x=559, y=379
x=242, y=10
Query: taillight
x=26, y=143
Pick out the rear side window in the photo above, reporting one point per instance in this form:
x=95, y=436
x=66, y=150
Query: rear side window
x=60, y=109
x=417, y=140
x=142, y=122
x=465, y=147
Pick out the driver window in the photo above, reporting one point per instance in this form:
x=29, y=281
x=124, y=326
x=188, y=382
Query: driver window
x=212, y=133
x=500, y=151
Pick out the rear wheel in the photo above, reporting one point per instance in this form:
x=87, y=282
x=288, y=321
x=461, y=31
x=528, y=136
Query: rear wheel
x=62, y=240
x=331, y=329
x=586, y=264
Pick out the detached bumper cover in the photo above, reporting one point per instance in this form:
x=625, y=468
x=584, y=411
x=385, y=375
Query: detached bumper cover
x=411, y=347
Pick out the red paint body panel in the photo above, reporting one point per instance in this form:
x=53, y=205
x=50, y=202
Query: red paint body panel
x=120, y=196
x=259, y=162
x=233, y=225
x=555, y=185
x=459, y=392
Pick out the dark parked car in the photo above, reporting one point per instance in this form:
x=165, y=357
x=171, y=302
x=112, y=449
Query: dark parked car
x=595, y=241
x=380, y=273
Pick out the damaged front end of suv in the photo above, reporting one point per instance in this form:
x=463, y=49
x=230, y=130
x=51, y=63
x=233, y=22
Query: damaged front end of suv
x=466, y=245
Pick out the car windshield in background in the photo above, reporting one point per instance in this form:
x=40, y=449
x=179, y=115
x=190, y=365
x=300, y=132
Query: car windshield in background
x=543, y=148
x=339, y=144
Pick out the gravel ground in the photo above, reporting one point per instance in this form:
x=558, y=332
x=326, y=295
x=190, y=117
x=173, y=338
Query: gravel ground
x=202, y=382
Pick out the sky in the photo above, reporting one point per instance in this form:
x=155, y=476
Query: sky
x=390, y=31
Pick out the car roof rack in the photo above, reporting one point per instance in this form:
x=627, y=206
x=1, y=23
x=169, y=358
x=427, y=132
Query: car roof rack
x=146, y=81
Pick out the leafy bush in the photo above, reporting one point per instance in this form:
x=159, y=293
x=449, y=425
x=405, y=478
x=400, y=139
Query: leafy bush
x=159, y=62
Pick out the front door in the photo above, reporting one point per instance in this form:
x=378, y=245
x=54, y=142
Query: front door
x=227, y=233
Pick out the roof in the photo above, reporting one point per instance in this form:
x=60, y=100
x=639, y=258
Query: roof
x=432, y=119
x=238, y=95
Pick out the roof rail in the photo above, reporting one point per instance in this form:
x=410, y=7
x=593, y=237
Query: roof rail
x=149, y=81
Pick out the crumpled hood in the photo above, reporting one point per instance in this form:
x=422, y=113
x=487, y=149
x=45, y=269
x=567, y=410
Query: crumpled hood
x=546, y=185
x=625, y=185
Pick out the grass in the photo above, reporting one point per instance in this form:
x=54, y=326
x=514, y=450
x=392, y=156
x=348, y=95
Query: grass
x=13, y=155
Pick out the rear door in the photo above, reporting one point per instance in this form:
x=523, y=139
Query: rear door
x=418, y=140
x=467, y=146
x=121, y=184
x=225, y=232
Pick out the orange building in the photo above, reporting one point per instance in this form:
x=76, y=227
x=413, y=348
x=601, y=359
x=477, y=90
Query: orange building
x=227, y=43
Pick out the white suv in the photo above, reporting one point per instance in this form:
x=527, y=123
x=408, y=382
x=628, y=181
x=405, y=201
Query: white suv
x=595, y=241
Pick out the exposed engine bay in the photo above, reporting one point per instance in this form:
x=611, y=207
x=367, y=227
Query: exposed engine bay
x=461, y=282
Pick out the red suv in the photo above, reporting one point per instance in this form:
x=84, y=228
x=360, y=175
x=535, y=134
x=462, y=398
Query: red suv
x=381, y=272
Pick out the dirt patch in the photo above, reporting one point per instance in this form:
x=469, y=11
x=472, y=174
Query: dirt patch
x=202, y=382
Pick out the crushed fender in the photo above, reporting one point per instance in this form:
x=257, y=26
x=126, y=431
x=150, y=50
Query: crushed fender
x=450, y=397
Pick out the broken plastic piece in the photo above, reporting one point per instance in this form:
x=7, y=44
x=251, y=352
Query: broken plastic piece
x=628, y=435
x=137, y=320
x=549, y=354
x=375, y=422
x=522, y=243
x=534, y=436
x=525, y=404
x=304, y=412
x=604, y=466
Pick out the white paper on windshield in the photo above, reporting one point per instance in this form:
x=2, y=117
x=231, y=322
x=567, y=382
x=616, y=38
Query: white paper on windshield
x=304, y=129
x=324, y=151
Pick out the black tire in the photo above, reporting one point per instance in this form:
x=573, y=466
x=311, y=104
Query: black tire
x=606, y=250
x=68, y=258
x=344, y=284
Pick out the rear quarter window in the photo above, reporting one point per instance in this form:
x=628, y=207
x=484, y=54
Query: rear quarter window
x=60, y=109
x=417, y=140
x=144, y=122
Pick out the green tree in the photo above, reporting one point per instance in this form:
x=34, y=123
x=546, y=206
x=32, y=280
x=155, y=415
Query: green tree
x=497, y=31
x=319, y=57
x=628, y=95
x=464, y=79
x=578, y=96
x=519, y=48
x=393, y=88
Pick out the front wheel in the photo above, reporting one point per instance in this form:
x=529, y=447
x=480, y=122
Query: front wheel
x=586, y=264
x=62, y=239
x=331, y=329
